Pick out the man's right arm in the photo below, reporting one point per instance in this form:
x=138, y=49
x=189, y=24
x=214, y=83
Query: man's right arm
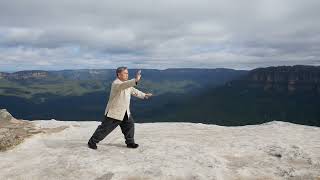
x=129, y=83
x=126, y=84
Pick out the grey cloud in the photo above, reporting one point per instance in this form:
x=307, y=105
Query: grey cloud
x=159, y=34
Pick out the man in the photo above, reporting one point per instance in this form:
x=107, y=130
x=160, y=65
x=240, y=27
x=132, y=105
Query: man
x=117, y=111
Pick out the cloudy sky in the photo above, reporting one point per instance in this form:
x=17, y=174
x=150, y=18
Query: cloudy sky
x=159, y=34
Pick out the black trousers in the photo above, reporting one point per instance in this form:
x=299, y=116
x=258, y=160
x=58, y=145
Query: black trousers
x=109, y=124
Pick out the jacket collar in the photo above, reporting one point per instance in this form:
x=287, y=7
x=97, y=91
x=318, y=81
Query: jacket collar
x=117, y=79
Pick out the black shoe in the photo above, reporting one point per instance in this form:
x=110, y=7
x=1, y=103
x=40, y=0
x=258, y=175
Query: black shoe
x=132, y=145
x=92, y=145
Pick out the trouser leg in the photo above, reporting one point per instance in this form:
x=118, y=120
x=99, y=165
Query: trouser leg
x=107, y=125
x=127, y=128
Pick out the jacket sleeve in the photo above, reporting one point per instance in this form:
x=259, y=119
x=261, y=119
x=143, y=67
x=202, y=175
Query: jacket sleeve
x=139, y=94
x=126, y=84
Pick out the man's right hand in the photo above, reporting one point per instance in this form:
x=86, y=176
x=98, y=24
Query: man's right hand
x=138, y=76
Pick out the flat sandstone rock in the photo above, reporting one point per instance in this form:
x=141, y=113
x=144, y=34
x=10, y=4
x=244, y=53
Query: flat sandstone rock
x=273, y=150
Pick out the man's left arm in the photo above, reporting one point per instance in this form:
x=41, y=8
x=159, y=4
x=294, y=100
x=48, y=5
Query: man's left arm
x=137, y=93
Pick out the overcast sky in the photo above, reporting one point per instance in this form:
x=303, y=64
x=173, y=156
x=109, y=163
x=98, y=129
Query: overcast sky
x=158, y=34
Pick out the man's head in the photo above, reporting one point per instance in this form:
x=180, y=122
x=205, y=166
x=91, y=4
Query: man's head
x=122, y=73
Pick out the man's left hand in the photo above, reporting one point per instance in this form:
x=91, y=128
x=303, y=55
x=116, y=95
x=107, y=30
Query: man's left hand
x=147, y=95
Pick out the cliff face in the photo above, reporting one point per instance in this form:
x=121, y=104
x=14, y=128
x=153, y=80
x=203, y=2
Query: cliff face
x=24, y=75
x=284, y=79
x=3, y=75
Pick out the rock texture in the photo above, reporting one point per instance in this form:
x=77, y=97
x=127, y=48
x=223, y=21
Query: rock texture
x=273, y=150
x=13, y=131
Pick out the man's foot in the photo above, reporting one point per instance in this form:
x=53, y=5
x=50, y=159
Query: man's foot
x=92, y=145
x=132, y=145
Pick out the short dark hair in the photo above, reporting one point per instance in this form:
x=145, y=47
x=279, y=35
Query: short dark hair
x=120, y=69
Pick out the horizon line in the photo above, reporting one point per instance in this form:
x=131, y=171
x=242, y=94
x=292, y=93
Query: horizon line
x=13, y=71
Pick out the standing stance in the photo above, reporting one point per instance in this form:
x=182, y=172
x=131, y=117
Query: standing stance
x=117, y=111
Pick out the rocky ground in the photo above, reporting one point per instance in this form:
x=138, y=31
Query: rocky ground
x=14, y=131
x=58, y=150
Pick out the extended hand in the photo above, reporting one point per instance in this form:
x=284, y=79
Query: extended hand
x=147, y=95
x=138, y=76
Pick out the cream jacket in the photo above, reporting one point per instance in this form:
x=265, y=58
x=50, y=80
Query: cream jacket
x=119, y=99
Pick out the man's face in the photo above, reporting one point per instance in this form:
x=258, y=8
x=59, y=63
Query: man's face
x=123, y=76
